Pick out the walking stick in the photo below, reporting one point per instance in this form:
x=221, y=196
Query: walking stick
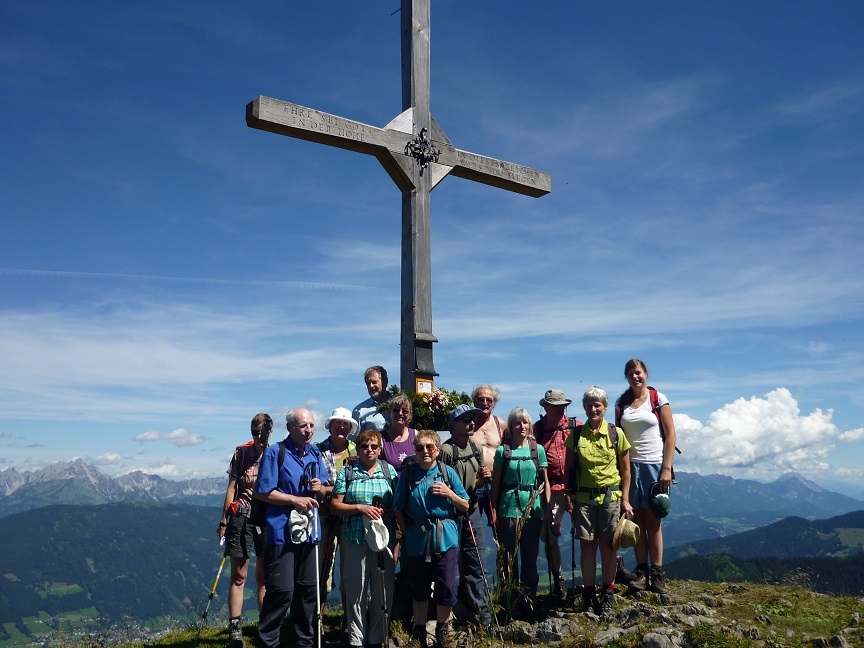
x=316, y=539
x=485, y=584
x=209, y=599
x=384, y=614
x=572, y=560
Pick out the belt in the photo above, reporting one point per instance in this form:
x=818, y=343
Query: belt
x=245, y=511
x=594, y=492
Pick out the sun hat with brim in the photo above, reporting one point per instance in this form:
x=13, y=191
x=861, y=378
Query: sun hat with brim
x=377, y=535
x=301, y=524
x=659, y=503
x=341, y=414
x=554, y=397
x=626, y=534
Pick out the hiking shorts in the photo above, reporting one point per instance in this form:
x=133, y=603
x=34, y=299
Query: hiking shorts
x=595, y=521
x=441, y=570
x=642, y=478
x=241, y=537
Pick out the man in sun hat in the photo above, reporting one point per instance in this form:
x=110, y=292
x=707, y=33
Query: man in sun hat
x=335, y=449
x=466, y=457
x=552, y=431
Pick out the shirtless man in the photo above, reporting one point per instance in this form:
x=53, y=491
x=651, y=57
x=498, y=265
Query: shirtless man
x=490, y=431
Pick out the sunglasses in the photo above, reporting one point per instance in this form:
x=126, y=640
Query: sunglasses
x=428, y=447
x=369, y=446
x=397, y=410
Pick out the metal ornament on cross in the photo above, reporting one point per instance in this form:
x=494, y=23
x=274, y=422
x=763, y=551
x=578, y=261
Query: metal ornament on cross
x=417, y=155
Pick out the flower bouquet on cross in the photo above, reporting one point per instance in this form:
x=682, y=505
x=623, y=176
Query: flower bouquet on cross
x=431, y=411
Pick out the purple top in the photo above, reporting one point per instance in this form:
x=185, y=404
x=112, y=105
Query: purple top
x=394, y=452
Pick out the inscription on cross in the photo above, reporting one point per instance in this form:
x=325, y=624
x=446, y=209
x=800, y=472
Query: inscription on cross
x=417, y=155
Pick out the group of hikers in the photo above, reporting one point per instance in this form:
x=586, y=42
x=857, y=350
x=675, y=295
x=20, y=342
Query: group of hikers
x=387, y=495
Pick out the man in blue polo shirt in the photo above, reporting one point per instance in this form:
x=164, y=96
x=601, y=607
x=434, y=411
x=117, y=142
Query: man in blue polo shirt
x=289, y=557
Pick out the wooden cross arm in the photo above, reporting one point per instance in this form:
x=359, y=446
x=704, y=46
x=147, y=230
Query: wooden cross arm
x=313, y=125
x=497, y=173
x=388, y=145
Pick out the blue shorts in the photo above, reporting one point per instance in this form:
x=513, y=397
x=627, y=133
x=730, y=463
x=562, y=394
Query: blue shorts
x=441, y=570
x=642, y=478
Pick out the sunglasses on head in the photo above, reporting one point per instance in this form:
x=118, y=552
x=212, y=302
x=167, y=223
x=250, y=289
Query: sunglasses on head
x=369, y=446
x=428, y=447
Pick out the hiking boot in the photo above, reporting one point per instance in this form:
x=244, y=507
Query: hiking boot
x=418, y=638
x=590, y=602
x=235, y=634
x=658, y=581
x=444, y=636
x=641, y=581
x=607, y=604
x=622, y=574
x=558, y=589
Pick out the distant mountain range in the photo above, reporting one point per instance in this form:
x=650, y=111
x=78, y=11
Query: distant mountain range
x=791, y=537
x=715, y=506
x=81, y=569
x=102, y=550
x=76, y=483
x=703, y=507
x=825, y=555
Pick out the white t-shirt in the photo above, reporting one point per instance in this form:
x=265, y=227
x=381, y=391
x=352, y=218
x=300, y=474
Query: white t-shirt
x=642, y=430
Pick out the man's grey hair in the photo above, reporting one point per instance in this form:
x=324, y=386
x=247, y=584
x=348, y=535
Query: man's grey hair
x=291, y=418
x=496, y=393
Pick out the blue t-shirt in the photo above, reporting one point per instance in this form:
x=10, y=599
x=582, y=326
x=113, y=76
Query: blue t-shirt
x=289, y=479
x=421, y=505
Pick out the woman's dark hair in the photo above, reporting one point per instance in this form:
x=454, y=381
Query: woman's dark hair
x=262, y=421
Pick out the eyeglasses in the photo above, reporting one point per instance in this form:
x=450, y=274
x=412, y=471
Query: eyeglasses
x=369, y=446
x=397, y=410
x=428, y=447
x=484, y=399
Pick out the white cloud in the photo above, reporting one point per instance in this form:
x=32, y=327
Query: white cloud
x=179, y=437
x=761, y=436
x=109, y=458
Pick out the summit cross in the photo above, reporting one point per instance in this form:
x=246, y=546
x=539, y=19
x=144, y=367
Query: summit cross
x=417, y=155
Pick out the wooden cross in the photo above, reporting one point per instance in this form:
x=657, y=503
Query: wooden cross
x=417, y=155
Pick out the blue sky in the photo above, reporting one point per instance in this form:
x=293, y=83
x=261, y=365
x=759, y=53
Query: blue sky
x=167, y=272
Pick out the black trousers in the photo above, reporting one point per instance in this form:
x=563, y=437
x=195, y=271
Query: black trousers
x=289, y=575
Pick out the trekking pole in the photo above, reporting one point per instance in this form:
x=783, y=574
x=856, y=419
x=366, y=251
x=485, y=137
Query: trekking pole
x=384, y=614
x=316, y=539
x=210, y=598
x=572, y=558
x=485, y=584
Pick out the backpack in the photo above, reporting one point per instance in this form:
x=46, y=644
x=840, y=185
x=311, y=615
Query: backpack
x=351, y=470
x=475, y=453
x=655, y=408
x=534, y=456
